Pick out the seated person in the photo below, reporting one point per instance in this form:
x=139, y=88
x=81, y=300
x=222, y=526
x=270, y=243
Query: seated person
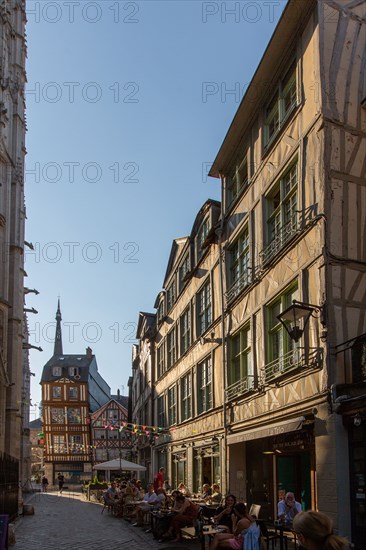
x=128, y=498
x=170, y=499
x=216, y=496
x=315, y=531
x=235, y=540
x=185, y=512
x=224, y=514
x=150, y=499
x=160, y=499
x=288, y=508
x=184, y=490
x=111, y=495
x=206, y=491
x=138, y=490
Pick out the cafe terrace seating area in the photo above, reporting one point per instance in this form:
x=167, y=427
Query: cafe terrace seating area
x=273, y=536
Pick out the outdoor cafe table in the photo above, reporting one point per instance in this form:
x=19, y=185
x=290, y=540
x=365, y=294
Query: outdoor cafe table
x=207, y=531
x=282, y=529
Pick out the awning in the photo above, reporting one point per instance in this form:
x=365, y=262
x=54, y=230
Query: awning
x=119, y=464
x=291, y=425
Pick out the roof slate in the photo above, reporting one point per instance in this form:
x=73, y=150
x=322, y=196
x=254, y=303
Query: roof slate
x=65, y=361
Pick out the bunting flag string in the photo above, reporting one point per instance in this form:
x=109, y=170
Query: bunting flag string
x=129, y=427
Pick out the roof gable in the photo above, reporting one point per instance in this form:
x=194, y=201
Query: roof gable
x=177, y=247
x=110, y=405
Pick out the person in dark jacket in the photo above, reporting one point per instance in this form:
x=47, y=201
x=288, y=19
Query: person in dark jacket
x=224, y=514
x=61, y=481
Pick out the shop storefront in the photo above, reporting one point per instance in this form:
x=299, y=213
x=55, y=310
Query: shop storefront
x=206, y=466
x=274, y=464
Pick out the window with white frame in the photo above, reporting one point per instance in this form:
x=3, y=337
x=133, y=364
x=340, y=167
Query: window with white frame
x=160, y=360
x=237, y=182
x=172, y=405
x=283, y=101
x=73, y=392
x=112, y=414
x=283, y=219
x=185, y=331
x=73, y=415
x=203, y=308
x=56, y=371
x=204, y=385
x=186, y=397
x=75, y=443
x=58, y=444
x=201, y=237
x=241, y=374
x=171, y=348
x=56, y=392
x=239, y=265
x=57, y=415
x=171, y=295
x=161, y=411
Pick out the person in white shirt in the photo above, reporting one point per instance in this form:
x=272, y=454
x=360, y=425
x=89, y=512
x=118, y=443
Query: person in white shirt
x=288, y=508
x=149, y=501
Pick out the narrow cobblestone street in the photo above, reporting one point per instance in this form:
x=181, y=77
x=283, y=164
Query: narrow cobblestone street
x=68, y=521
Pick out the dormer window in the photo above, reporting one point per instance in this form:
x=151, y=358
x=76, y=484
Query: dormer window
x=73, y=371
x=184, y=269
x=201, y=237
x=56, y=371
x=171, y=295
x=161, y=311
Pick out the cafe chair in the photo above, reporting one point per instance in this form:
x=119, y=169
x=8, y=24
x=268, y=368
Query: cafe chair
x=106, y=504
x=269, y=538
x=254, y=510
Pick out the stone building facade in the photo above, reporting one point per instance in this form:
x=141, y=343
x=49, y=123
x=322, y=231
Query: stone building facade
x=12, y=220
x=259, y=347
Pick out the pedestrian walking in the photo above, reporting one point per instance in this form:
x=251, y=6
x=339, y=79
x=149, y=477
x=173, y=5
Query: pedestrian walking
x=61, y=481
x=44, y=483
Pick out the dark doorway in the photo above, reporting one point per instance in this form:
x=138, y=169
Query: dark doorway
x=293, y=474
x=357, y=461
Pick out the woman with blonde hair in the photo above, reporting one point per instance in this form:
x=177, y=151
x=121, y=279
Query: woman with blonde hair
x=315, y=532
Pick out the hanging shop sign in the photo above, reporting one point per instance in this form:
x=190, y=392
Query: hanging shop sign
x=267, y=431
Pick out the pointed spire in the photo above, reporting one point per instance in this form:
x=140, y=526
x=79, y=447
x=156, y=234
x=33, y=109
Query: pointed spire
x=58, y=337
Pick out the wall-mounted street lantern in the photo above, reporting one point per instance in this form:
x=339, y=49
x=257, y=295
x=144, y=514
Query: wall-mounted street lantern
x=296, y=317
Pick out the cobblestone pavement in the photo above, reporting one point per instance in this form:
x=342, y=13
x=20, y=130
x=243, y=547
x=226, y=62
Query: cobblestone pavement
x=68, y=521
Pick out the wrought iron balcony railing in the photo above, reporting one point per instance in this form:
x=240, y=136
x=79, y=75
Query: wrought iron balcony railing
x=293, y=360
x=239, y=284
x=239, y=388
x=281, y=238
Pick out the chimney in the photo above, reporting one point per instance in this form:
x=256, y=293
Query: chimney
x=89, y=352
x=118, y=395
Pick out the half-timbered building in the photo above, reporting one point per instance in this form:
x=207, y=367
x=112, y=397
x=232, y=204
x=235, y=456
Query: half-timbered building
x=72, y=388
x=109, y=438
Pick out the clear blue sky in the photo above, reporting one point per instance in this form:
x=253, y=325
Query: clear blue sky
x=127, y=103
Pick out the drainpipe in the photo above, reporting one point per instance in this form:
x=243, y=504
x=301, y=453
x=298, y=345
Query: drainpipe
x=223, y=335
